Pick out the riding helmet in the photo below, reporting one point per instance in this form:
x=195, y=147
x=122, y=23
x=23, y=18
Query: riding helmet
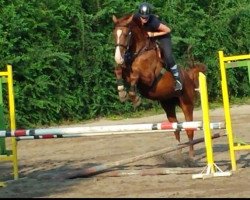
x=144, y=10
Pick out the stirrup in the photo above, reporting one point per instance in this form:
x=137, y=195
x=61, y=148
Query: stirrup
x=178, y=85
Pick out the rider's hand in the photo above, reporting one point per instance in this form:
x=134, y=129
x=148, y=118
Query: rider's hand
x=151, y=34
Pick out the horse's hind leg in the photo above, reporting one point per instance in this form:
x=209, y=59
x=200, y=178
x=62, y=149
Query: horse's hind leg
x=170, y=110
x=120, y=85
x=188, y=113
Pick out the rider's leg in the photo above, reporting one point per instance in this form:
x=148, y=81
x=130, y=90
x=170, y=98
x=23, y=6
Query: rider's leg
x=166, y=46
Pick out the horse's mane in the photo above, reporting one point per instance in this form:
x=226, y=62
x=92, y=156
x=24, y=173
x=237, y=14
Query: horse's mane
x=136, y=22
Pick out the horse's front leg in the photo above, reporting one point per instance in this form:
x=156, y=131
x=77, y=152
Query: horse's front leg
x=136, y=100
x=120, y=84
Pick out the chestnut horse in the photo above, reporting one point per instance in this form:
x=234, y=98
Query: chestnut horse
x=139, y=64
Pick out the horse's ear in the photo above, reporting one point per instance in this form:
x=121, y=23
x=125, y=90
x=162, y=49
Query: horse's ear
x=130, y=18
x=114, y=19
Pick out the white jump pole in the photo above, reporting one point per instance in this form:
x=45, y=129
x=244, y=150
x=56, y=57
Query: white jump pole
x=110, y=129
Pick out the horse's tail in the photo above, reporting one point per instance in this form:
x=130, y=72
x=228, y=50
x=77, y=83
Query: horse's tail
x=194, y=70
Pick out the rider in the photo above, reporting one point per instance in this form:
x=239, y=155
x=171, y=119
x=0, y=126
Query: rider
x=162, y=34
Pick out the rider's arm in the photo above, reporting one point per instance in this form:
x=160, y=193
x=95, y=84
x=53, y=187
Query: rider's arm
x=162, y=30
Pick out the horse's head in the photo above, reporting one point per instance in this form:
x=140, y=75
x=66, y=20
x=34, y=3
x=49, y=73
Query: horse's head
x=130, y=37
x=122, y=35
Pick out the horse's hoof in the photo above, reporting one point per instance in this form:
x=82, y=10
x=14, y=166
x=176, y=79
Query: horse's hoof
x=120, y=88
x=137, y=102
x=123, y=96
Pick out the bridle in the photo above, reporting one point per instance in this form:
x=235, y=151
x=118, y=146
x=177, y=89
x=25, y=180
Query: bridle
x=128, y=36
x=129, y=54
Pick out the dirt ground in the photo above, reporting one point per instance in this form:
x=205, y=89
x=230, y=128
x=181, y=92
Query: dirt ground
x=43, y=164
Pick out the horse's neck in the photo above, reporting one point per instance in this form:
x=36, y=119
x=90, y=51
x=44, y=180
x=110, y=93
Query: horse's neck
x=141, y=40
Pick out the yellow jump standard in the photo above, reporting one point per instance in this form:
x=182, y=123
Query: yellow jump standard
x=229, y=62
x=211, y=170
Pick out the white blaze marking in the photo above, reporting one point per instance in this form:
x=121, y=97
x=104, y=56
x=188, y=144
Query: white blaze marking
x=118, y=56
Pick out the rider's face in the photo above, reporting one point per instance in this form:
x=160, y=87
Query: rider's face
x=144, y=20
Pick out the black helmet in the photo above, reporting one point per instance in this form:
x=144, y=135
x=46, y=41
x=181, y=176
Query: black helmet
x=144, y=10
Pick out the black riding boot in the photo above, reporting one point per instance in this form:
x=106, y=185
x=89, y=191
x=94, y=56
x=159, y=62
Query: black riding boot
x=176, y=74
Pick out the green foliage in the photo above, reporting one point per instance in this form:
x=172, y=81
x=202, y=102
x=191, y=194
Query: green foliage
x=62, y=52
